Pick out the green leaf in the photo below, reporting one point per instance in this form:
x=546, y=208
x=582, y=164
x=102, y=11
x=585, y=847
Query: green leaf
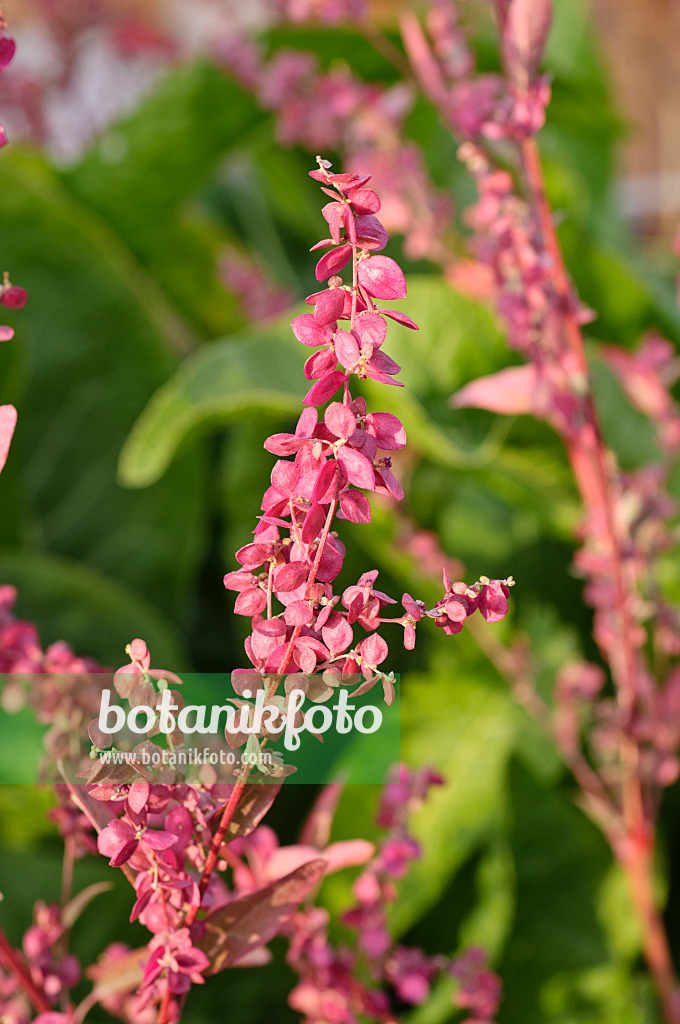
x=89, y=352
x=560, y=863
x=257, y=375
x=468, y=740
x=95, y=615
x=146, y=169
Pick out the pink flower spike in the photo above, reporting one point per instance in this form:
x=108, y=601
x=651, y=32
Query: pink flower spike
x=382, y=278
x=6, y=333
x=8, y=421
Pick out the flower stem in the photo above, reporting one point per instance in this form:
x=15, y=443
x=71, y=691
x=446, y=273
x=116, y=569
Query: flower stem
x=218, y=838
x=11, y=962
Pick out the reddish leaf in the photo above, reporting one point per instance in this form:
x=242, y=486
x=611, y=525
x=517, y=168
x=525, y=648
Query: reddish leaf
x=370, y=329
x=249, y=922
x=365, y=201
x=313, y=524
x=340, y=420
x=346, y=349
x=333, y=262
x=320, y=363
x=382, y=278
x=355, y=506
x=309, y=331
x=400, y=318
x=325, y=388
x=7, y=51
x=358, y=468
x=251, y=556
x=329, y=306
x=285, y=477
x=511, y=391
x=373, y=649
x=253, y=804
x=291, y=576
x=370, y=233
x=387, y=430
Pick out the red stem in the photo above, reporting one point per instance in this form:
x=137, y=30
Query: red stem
x=591, y=468
x=9, y=959
x=218, y=838
x=164, y=1011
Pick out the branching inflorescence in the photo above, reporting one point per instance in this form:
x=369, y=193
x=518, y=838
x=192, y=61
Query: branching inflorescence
x=325, y=469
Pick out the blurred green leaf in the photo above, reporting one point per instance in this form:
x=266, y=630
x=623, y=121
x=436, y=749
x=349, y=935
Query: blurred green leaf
x=257, y=376
x=76, y=603
x=145, y=173
x=88, y=353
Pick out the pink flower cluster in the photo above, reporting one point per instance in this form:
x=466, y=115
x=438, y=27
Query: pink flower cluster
x=326, y=466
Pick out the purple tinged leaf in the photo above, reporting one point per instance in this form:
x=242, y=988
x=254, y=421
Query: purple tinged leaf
x=370, y=329
x=250, y=601
x=400, y=318
x=355, y=506
x=526, y=32
x=337, y=634
x=330, y=565
x=358, y=468
x=158, y=840
x=325, y=388
x=298, y=613
x=370, y=233
x=313, y=523
x=251, y=556
x=347, y=349
x=7, y=51
x=493, y=601
x=329, y=306
x=285, y=477
x=387, y=430
x=246, y=923
x=320, y=363
x=340, y=420
x=382, y=278
x=309, y=331
x=333, y=262
x=365, y=201
x=373, y=650
x=324, y=481
x=291, y=576
x=138, y=796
